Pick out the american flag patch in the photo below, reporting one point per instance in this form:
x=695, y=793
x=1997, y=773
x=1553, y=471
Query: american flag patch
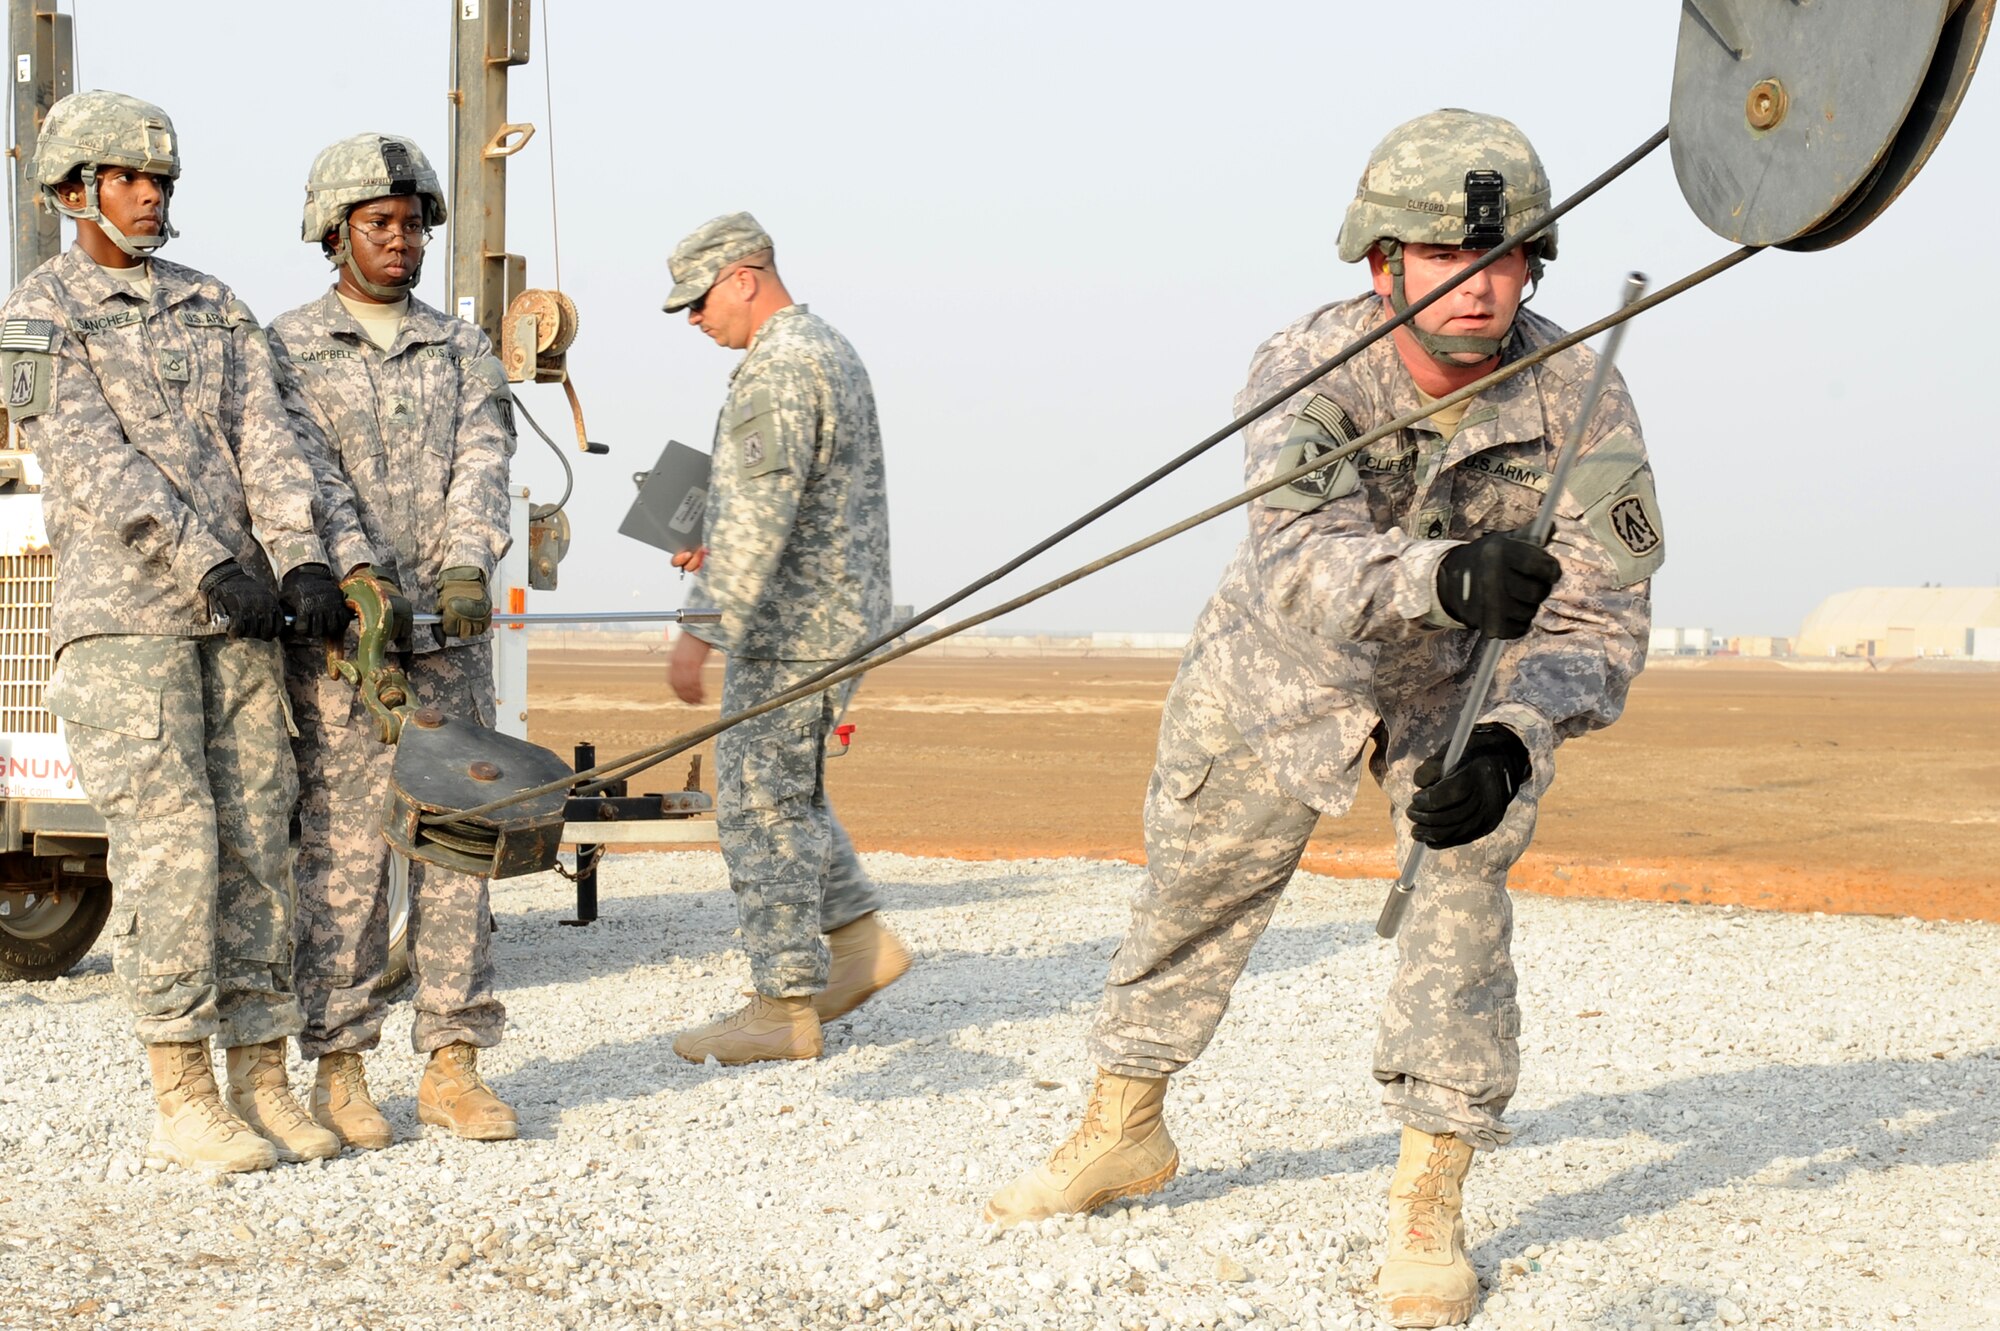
x=1332, y=417
x=27, y=335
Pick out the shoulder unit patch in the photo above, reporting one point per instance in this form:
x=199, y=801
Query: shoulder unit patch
x=26, y=377
x=1320, y=427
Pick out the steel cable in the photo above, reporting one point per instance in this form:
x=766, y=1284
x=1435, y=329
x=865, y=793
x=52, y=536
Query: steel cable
x=621, y=768
x=1332, y=363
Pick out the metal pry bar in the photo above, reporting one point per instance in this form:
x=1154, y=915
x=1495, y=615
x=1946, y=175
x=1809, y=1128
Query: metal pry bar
x=1398, y=901
x=593, y=617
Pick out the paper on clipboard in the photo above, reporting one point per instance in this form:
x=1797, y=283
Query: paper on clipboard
x=673, y=496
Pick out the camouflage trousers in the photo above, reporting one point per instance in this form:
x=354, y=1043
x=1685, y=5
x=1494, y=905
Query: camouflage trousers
x=791, y=864
x=180, y=744
x=1222, y=841
x=344, y=866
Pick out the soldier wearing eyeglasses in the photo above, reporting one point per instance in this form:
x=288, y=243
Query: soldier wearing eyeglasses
x=410, y=426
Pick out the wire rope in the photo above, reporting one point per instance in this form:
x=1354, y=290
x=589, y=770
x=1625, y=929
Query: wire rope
x=631, y=763
x=549, y=114
x=1325, y=367
x=1334, y=362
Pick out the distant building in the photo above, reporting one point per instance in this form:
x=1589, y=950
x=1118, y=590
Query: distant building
x=1905, y=621
x=1761, y=646
x=1680, y=642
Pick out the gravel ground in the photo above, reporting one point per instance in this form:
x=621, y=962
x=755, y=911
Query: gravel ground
x=1725, y=1119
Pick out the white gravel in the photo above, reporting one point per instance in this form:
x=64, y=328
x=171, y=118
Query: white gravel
x=1725, y=1120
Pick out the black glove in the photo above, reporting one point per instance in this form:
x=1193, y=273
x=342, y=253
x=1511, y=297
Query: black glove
x=1495, y=583
x=318, y=609
x=464, y=608
x=1452, y=810
x=246, y=603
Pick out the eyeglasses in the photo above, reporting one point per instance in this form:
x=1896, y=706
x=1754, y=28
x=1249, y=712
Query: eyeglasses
x=378, y=233
x=700, y=303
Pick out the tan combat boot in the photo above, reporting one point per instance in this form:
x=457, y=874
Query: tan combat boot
x=764, y=1028
x=866, y=960
x=260, y=1096
x=341, y=1102
x=453, y=1095
x=1121, y=1150
x=193, y=1127
x=1425, y=1278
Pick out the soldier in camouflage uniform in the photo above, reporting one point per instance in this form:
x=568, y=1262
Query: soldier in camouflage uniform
x=179, y=509
x=1349, y=616
x=798, y=520
x=414, y=428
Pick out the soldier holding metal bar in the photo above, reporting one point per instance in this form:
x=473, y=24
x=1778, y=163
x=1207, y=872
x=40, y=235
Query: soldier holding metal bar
x=177, y=502
x=405, y=415
x=1350, y=616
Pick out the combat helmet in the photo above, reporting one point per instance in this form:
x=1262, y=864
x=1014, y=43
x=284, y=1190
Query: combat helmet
x=1451, y=177
x=354, y=171
x=99, y=128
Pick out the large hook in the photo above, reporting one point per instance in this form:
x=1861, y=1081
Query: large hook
x=383, y=617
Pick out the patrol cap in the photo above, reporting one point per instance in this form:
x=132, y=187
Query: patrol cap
x=697, y=261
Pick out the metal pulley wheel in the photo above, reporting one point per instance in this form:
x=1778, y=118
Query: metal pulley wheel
x=1797, y=122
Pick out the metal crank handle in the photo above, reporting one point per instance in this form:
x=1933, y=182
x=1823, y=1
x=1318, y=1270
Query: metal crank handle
x=1397, y=903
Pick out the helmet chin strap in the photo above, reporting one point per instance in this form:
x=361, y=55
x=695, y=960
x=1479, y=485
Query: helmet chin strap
x=343, y=256
x=138, y=247
x=1441, y=348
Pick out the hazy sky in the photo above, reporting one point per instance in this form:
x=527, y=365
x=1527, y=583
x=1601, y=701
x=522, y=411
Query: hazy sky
x=1056, y=231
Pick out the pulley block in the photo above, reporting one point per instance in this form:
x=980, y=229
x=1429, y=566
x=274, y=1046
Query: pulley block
x=1798, y=122
x=444, y=765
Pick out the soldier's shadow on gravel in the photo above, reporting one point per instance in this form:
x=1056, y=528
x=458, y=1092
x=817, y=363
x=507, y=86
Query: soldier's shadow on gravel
x=958, y=990
x=1833, y=1120
x=902, y=898
x=1356, y=1155
x=915, y=1022
x=650, y=928
x=536, y=945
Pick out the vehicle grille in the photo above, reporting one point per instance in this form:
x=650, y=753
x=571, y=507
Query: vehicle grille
x=27, y=586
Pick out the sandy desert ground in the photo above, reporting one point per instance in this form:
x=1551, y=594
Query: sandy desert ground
x=1801, y=787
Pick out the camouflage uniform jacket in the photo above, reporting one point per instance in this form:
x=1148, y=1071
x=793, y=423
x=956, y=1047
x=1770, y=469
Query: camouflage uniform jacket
x=410, y=445
x=1327, y=618
x=798, y=511
x=162, y=440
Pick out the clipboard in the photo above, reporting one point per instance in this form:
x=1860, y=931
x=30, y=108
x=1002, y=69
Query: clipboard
x=672, y=499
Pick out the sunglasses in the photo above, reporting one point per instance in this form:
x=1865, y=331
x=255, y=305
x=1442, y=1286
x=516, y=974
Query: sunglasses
x=700, y=303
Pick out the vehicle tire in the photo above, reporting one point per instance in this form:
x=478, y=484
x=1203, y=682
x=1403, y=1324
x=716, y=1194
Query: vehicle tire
x=44, y=932
x=396, y=973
